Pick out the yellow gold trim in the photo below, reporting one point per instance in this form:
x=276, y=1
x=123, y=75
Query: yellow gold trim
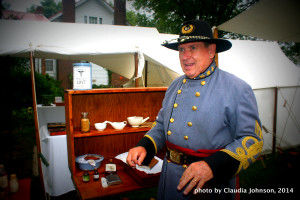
x=258, y=130
x=186, y=29
x=245, y=153
x=155, y=147
x=153, y=124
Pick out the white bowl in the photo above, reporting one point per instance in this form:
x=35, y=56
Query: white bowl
x=135, y=121
x=100, y=126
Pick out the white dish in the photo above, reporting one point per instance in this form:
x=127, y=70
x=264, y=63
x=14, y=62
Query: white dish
x=100, y=126
x=136, y=121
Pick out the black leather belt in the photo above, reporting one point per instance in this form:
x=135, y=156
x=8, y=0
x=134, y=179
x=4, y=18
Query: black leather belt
x=181, y=158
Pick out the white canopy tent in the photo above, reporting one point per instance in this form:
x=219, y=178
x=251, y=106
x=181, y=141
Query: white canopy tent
x=275, y=81
x=262, y=64
x=276, y=20
x=122, y=49
x=112, y=47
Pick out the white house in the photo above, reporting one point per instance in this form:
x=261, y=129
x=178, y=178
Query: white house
x=90, y=12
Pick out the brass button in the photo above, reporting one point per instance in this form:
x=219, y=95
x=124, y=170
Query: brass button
x=190, y=124
x=169, y=132
x=172, y=120
x=184, y=81
x=197, y=94
x=184, y=166
x=168, y=161
x=179, y=91
x=186, y=137
x=194, y=108
x=175, y=105
x=202, y=82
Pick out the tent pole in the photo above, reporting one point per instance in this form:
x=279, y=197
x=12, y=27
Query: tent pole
x=216, y=36
x=136, y=61
x=36, y=123
x=146, y=73
x=274, y=120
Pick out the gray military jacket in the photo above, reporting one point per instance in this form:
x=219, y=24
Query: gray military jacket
x=216, y=110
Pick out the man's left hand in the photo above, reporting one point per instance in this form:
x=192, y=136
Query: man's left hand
x=197, y=174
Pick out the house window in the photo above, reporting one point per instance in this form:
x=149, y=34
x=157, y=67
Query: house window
x=85, y=20
x=100, y=20
x=49, y=65
x=93, y=20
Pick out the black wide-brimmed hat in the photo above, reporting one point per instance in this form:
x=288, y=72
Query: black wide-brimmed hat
x=197, y=31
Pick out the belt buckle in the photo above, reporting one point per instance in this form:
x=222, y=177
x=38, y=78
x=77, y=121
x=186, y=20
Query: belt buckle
x=175, y=156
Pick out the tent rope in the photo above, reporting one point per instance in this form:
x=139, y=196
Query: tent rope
x=289, y=109
x=267, y=131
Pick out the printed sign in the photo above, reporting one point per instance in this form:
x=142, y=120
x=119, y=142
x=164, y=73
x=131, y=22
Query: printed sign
x=82, y=76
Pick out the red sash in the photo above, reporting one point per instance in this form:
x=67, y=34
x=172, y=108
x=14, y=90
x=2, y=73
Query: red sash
x=198, y=153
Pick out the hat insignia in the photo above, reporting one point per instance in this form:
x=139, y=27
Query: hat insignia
x=186, y=29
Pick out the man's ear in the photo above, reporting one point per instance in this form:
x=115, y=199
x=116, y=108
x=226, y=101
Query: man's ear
x=212, y=50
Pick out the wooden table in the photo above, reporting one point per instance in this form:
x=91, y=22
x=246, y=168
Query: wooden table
x=94, y=189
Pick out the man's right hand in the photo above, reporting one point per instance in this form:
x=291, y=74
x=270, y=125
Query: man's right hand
x=136, y=155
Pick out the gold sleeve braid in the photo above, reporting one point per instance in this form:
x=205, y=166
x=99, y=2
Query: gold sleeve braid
x=246, y=153
x=152, y=140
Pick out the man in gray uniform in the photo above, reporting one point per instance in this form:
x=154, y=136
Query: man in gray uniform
x=208, y=121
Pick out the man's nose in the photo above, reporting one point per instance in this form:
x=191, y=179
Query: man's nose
x=186, y=54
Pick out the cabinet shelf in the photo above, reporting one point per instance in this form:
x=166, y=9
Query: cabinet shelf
x=109, y=131
x=113, y=105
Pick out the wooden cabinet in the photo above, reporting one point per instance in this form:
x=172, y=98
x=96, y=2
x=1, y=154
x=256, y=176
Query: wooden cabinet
x=113, y=105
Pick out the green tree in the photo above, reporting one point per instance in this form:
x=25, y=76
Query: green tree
x=169, y=14
x=138, y=19
x=292, y=51
x=50, y=7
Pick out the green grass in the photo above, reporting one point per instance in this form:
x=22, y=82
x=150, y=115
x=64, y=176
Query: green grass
x=279, y=172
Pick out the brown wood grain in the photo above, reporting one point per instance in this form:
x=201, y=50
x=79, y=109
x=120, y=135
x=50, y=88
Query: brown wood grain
x=115, y=105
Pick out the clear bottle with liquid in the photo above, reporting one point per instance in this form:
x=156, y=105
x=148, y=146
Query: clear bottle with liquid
x=85, y=122
x=86, y=176
x=13, y=183
x=96, y=175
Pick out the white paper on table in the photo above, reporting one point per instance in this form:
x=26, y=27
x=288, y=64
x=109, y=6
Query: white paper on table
x=156, y=169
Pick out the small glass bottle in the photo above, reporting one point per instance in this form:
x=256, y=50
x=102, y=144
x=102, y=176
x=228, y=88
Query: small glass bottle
x=85, y=122
x=96, y=175
x=3, y=177
x=110, y=167
x=86, y=176
x=14, y=184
